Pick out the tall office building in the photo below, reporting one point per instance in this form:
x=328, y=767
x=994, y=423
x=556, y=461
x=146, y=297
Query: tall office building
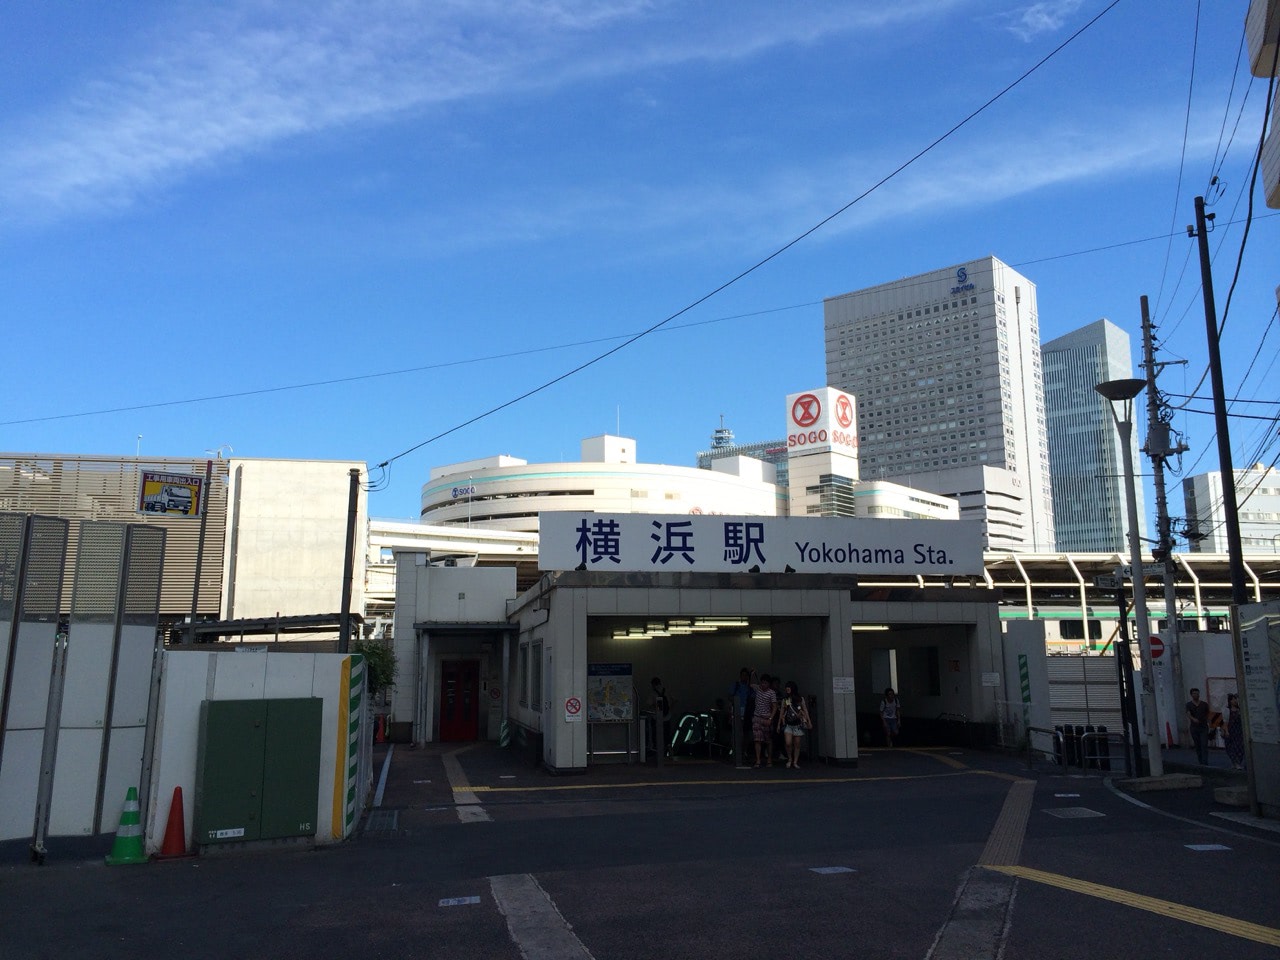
x=1258, y=500
x=945, y=367
x=1086, y=462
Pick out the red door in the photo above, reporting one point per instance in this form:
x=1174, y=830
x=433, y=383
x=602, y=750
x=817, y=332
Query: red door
x=459, y=700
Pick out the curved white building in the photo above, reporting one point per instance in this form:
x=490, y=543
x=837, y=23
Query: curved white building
x=506, y=493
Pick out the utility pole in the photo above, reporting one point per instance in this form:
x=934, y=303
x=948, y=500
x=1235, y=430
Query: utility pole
x=204, y=522
x=1230, y=508
x=344, y=622
x=1158, y=449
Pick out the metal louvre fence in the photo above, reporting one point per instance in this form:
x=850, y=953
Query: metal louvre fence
x=81, y=488
x=1084, y=691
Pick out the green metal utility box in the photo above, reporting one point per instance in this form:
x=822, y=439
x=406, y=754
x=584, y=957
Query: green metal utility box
x=257, y=770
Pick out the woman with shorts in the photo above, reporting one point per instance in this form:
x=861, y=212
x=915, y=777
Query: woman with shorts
x=793, y=720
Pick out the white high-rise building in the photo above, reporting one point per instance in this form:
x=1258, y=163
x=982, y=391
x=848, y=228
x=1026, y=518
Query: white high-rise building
x=945, y=367
x=1085, y=456
x=1258, y=502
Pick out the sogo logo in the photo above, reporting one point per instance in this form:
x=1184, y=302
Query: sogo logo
x=806, y=410
x=844, y=411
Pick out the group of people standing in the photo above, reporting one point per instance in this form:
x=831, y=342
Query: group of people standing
x=1200, y=723
x=765, y=712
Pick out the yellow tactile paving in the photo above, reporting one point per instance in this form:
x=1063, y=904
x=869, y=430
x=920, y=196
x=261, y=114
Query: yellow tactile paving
x=1164, y=908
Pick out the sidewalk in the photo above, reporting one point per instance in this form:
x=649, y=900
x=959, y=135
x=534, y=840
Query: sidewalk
x=1183, y=760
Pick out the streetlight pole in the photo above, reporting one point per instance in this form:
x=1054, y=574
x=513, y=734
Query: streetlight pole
x=1123, y=392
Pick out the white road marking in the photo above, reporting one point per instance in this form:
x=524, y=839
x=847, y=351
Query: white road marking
x=465, y=800
x=382, y=778
x=537, y=928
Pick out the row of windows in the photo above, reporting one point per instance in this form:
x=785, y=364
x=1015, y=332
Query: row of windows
x=936, y=463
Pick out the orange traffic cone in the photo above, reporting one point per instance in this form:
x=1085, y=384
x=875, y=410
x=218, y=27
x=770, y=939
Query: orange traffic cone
x=1168, y=734
x=128, y=845
x=175, y=831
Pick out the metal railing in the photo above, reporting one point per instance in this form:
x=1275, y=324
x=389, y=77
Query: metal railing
x=1079, y=748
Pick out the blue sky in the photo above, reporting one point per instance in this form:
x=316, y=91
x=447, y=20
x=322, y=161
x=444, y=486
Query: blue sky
x=429, y=209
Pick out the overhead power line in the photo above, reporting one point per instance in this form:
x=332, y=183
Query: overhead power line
x=772, y=256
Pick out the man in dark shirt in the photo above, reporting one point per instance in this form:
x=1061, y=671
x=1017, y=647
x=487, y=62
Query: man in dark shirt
x=1198, y=721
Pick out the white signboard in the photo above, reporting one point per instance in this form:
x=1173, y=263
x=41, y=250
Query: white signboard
x=573, y=710
x=719, y=544
x=842, y=684
x=1260, y=652
x=822, y=420
x=991, y=679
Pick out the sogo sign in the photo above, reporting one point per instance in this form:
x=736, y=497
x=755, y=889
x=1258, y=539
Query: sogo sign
x=821, y=420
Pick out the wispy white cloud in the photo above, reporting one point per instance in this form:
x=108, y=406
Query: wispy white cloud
x=1046, y=16
x=236, y=81
x=760, y=213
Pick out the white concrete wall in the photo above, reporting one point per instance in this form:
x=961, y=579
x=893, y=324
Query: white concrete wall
x=286, y=540
x=502, y=498
x=192, y=676
x=1207, y=658
x=1026, y=638
x=443, y=595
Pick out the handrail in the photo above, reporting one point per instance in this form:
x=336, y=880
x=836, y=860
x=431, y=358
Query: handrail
x=1089, y=750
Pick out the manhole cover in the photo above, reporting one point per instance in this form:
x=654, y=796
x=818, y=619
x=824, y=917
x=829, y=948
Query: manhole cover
x=382, y=821
x=1073, y=813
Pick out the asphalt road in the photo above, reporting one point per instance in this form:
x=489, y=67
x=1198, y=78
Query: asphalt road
x=914, y=854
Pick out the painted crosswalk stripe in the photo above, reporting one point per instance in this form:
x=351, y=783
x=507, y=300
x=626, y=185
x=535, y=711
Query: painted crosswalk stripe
x=537, y=928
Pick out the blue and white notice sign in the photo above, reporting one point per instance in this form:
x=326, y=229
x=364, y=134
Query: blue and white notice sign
x=719, y=544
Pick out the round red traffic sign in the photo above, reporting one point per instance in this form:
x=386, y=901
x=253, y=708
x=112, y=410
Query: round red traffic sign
x=1157, y=647
x=573, y=706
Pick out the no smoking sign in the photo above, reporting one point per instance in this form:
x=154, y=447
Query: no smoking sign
x=572, y=710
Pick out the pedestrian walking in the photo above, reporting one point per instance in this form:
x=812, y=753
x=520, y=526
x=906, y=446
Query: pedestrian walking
x=793, y=721
x=890, y=715
x=1235, y=733
x=1198, y=724
x=762, y=720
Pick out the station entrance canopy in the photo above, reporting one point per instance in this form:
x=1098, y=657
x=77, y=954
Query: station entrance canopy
x=721, y=544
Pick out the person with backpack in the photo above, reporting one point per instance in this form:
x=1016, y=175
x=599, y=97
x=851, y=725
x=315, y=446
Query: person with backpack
x=793, y=721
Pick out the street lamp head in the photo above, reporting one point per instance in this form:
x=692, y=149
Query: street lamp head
x=1115, y=390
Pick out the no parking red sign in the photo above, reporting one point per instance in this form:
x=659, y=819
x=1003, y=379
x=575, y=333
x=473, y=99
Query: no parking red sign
x=573, y=710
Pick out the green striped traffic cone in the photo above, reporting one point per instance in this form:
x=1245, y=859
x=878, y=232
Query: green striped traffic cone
x=128, y=845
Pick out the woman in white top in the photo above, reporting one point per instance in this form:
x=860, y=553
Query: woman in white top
x=889, y=718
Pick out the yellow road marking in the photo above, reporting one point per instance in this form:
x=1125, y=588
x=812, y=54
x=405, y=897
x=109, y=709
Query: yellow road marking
x=949, y=761
x=1177, y=911
x=747, y=781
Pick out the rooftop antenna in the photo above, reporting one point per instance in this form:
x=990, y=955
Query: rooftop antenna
x=722, y=436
